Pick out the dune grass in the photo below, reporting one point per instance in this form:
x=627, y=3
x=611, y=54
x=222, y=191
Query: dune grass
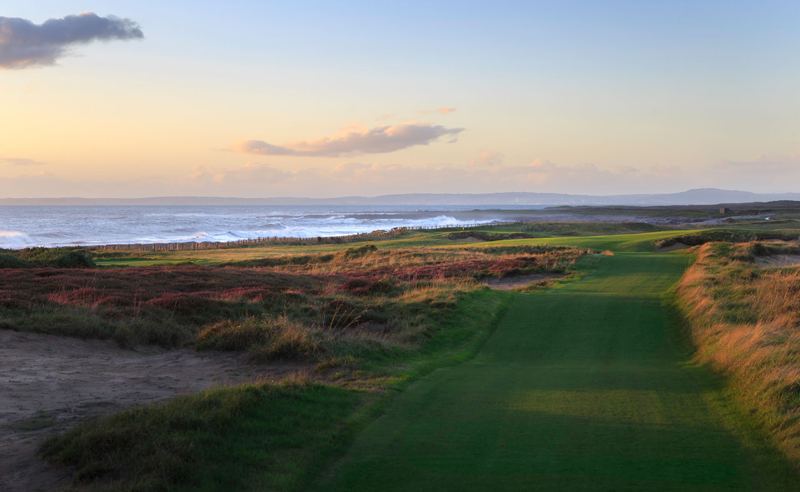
x=744, y=320
x=729, y=235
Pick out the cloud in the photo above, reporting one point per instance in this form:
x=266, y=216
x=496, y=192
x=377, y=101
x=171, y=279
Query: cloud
x=24, y=44
x=487, y=159
x=354, y=140
x=18, y=161
x=762, y=163
x=349, y=177
x=662, y=170
x=440, y=111
x=369, y=179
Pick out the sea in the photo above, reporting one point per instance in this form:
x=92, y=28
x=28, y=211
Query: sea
x=53, y=226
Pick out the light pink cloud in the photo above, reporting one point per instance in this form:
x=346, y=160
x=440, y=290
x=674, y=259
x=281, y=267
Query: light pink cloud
x=440, y=111
x=353, y=140
x=763, y=163
x=487, y=158
x=19, y=161
x=662, y=170
x=350, y=178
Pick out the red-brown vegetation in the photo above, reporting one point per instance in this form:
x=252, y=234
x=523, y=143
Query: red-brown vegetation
x=286, y=307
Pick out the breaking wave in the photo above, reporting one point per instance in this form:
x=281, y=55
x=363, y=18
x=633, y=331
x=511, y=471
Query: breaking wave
x=14, y=240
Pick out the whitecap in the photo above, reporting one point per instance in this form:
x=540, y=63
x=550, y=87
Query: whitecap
x=14, y=240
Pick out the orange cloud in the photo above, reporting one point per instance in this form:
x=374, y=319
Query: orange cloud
x=353, y=140
x=19, y=161
x=487, y=159
x=440, y=111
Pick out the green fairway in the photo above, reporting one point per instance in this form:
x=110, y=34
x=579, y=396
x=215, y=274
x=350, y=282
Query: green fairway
x=584, y=387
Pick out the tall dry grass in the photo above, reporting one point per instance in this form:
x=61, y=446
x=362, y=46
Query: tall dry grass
x=745, y=322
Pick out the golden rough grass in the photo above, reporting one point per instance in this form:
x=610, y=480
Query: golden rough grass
x=745, y=322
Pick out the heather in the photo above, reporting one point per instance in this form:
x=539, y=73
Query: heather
x=357, y=303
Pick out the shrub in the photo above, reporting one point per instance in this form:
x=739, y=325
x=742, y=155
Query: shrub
x=46, y=257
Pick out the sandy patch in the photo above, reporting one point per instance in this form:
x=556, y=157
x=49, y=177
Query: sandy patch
x=511, y=283
x=782, y=241
x=49, y=384
x=674, y=247
x=780, y=261
x=470, y=239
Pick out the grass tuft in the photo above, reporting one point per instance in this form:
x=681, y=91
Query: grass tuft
x=744, y=320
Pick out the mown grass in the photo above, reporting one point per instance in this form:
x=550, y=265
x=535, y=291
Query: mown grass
x=744, y=321
x=591, y=228
x=581, y=388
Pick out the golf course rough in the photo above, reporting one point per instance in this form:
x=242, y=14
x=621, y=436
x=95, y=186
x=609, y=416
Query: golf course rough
x=582, y=388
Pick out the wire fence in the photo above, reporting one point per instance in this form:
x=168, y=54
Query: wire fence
x=291, y=241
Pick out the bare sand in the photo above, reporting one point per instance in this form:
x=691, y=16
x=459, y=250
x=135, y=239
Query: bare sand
x=780, y=261
x=511, y=283
x=49, y=384
x=675, y=247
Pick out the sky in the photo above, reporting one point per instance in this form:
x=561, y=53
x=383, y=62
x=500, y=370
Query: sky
x=322, y=99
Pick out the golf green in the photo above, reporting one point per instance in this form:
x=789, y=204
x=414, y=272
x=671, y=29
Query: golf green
x=580, y=388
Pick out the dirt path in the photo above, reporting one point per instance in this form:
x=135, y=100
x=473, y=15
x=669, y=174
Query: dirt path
x=49, y=383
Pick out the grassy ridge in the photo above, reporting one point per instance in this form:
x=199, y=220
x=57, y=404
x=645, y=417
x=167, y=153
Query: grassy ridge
x=729, y=235
x=744, y=321
x=244, y=437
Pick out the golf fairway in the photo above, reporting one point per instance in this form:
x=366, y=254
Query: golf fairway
x=581, y=388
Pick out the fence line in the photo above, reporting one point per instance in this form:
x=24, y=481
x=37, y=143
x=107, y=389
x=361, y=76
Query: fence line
x=293, y=241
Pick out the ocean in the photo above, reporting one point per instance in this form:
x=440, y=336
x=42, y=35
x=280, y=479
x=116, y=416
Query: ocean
x=28, y=226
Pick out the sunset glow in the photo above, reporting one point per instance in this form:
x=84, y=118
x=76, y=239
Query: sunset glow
x=191, y=98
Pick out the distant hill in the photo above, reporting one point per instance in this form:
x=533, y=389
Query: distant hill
x=701, y=196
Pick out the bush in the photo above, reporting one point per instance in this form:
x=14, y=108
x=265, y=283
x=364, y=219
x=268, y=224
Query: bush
x=46, y=257
x=10, y=261
x=730, y=236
